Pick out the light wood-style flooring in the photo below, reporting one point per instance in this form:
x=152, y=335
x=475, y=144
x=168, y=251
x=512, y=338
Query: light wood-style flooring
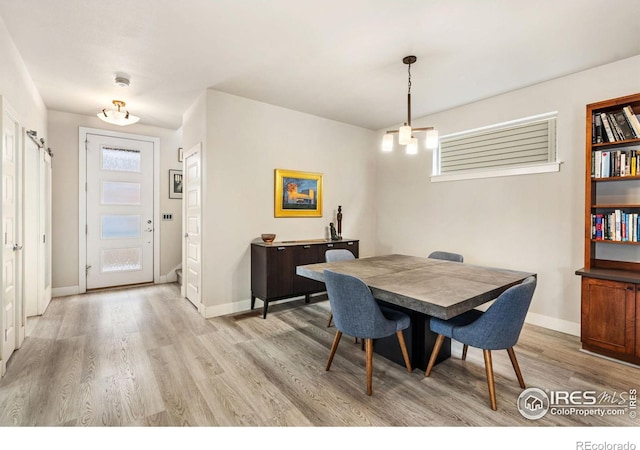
x=145, y=357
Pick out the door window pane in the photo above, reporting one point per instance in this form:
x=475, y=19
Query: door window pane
x=120, y=259
x=120, y=159
x=119, y=193
x=120, y=227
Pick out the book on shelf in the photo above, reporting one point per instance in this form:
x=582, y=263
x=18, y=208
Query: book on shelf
x=597, y=129
x=623, y=125
x=606, y=164
x=633, y=120
x=607, y=128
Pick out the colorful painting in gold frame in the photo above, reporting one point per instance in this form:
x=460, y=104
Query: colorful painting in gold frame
x=298, y=194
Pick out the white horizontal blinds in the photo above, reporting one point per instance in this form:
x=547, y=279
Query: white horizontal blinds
x=504, y=147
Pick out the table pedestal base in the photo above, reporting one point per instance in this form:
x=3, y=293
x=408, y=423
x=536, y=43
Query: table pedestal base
x=419, y=338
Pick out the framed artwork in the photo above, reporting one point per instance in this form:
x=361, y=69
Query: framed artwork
x=297, y=194
x=175, y=184
x=180, y=154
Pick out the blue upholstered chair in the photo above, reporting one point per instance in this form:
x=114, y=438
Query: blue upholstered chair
x=338, y=254
x=496, y=329
x=357, y=313
x=447, y=256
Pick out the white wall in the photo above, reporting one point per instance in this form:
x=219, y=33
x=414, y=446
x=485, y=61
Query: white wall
x=245, y=141
x=531, y=222
x=18, y=89
x=63, y=139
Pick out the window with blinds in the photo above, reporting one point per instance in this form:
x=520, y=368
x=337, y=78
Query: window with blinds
x=523, y=143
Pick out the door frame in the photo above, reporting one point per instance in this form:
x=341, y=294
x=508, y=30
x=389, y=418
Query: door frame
x=82, y=199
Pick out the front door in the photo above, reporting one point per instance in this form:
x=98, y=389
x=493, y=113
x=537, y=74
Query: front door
x=192, y=257
x=119, y=226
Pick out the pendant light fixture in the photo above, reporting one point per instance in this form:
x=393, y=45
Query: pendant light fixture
x=406, y=133
x=119, y=116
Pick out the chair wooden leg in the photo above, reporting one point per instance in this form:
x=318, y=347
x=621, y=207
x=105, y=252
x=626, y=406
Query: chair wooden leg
x=330, y=319
x=492, y=388
x=516, y=367
x=465, y=347
x=405, y=353
x=334, y=347
x=369, y=347
x=434, y=354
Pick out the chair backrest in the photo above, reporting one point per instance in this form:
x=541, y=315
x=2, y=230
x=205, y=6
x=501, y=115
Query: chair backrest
x=500, y=326
x=448, y=256
x=338, y=254
x=355, y=311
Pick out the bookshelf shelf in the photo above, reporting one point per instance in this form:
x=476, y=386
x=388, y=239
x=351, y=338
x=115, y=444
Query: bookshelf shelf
x=609, y=241
x=611, y=273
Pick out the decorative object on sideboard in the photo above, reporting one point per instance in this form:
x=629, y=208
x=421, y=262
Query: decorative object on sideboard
x=268, y=237
x=339, y=217
x=297, y=194
x=332, y=231
x=405, y=133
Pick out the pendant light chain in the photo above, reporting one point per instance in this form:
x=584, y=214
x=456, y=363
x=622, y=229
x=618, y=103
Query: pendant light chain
x=409, y=71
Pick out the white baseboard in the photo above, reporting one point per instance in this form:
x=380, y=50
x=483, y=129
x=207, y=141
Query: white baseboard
x=65, y=291
x=563, y=326
x=242, y=306
x=171, y=276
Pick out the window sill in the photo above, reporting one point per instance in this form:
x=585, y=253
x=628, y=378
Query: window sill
x=525, y=170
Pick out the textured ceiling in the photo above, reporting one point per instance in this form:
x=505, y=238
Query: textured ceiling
x=339, y=59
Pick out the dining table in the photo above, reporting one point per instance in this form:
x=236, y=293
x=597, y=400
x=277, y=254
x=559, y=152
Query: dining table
x=422, y=288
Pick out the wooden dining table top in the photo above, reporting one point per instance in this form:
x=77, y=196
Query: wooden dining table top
x=439, y=288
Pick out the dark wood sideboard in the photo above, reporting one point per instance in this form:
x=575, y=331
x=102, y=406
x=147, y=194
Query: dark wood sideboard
x=273, y=268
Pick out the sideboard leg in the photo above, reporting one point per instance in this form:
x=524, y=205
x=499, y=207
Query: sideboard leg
x=264, y=309
x=253, y=301
x=307, y=298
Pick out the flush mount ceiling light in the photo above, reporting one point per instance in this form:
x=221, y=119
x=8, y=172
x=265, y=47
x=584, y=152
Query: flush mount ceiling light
x=119, y=116
x=405, y=133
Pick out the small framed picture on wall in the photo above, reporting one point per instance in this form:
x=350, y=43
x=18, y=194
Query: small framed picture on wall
x=175, y=184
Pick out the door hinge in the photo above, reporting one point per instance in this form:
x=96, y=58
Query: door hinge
x=6, y=334
x=86, y=229
x=86, y=189
x=86, y=144
x=44, y=238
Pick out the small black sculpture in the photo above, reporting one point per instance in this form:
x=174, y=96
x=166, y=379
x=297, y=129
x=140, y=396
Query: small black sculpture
x=339, y=222
x=332, y=230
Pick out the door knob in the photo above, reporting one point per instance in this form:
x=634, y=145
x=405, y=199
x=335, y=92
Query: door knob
x=16, y=247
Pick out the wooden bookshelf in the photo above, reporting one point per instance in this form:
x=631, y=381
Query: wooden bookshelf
x=610, y=304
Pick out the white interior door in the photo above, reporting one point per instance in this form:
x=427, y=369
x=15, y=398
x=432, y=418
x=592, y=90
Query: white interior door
x=11, y=250
x=120, y=200
x=44, y=260
x=192, y=213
